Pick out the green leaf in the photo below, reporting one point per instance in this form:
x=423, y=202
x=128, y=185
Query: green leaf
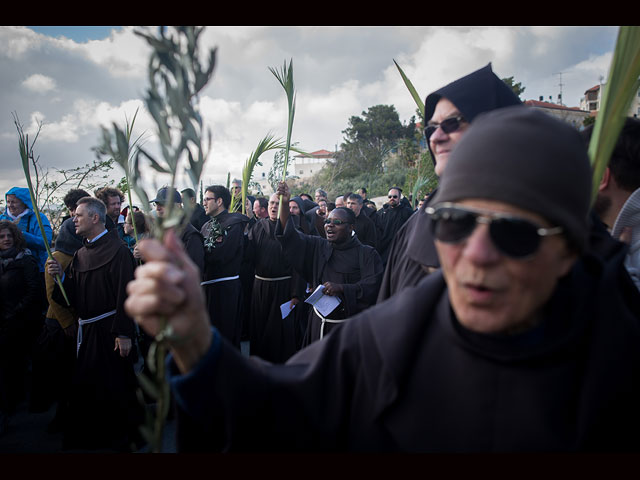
x=416, y=98
x=617, y=94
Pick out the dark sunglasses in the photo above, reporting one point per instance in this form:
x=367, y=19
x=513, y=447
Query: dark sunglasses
x=335, y=222
x=448, y=125
x=513, y=236
x=393, y=196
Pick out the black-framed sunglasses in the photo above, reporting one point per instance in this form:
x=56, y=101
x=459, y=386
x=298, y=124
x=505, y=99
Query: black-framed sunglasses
x=513, y=236
x=335, y=221
x=393, y=196
x=448, y=125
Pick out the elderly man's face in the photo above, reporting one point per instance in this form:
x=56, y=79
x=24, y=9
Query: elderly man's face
x=491, y=292
x=15, y=205
x=442, y=143
x=274, y=203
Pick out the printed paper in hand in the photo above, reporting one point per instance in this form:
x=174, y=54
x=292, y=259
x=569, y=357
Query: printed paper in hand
x=325, y=304
x=285, y=308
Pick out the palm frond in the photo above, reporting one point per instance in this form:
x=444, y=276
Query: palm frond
x=266, y=144
x=622, y=84
x=26, y=155
x=285, y=77
x=412, y=90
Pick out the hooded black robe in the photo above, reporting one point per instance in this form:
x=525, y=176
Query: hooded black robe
x=356, y=267
x=388, y=221
x=365, y=229
x=270, y=336
x=412, y=255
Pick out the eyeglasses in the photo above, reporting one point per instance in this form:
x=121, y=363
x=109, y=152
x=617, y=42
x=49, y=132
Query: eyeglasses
x=393, y=196
x=335, y=222
x=513, y=236
x=448, y=125
x=207, y=199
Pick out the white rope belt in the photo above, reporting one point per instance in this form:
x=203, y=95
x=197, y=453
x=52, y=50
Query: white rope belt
x=216, y=280
x=82, y=322
x=275, y=279
x=326, y=320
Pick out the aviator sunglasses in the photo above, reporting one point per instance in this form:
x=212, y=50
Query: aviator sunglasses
x=448, y=125
x=513, y=236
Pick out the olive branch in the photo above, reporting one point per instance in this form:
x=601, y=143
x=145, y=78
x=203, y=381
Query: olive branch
x=176, y=77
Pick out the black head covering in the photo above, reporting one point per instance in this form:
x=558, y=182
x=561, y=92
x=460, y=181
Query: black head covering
x=526, y=158
x=478, y=92
x=68, y=241
x=300, y=221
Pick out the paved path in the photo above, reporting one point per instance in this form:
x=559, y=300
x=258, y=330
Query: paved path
x=26, y=434
x=26, y=431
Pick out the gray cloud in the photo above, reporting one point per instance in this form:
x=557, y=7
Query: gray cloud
x=339, y=72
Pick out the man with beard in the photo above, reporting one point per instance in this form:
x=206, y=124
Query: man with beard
x=618, y=201
x=272, y=337
x=224, y=245
x=112, y=198
x=344, y=266
x=103, y=408
x=390, y=219
x=449, y=110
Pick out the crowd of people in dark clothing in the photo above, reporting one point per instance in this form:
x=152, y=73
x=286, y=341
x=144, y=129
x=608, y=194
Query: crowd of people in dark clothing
x=502, y=314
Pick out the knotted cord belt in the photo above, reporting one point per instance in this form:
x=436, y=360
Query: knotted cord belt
x=326, y=320
x=216, y=280
x=82, y=322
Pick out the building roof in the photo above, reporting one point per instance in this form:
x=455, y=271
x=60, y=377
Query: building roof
x=539, y=104
x=593, y=89
x=319, y=154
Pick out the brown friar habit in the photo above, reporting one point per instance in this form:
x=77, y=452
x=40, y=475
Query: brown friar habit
x=424, y=383
x=355, y=266
x=270, y=336
x=221, y=277
x=104, y=411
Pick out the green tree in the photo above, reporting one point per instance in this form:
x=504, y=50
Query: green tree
x=370, y=138
x=517, y=88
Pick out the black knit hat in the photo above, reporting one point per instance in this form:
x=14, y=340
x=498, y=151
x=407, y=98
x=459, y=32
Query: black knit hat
x=526, y=158
x=68, y=241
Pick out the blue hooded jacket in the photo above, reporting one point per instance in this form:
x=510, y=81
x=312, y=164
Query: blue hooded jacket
x=28, y=224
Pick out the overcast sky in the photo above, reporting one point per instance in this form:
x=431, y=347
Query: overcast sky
x=76, y=79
